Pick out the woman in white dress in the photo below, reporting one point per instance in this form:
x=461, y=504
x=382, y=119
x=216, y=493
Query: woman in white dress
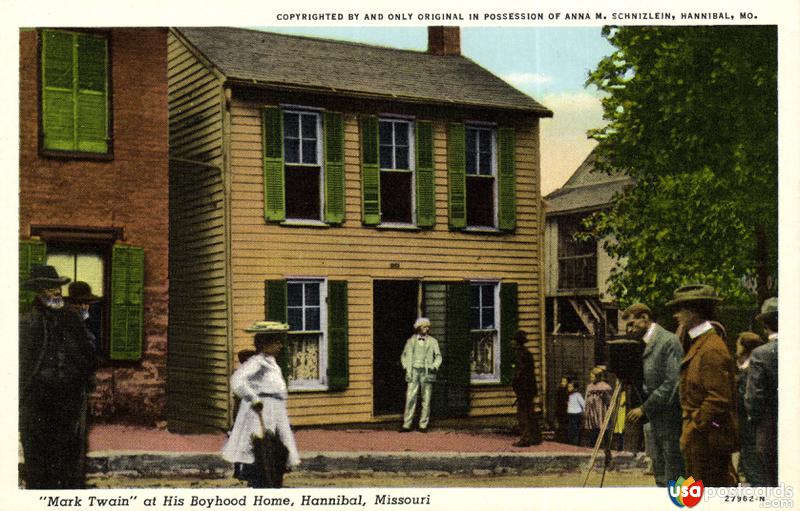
x=259, y=384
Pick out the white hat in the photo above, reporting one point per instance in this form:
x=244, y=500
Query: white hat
x=421, y=322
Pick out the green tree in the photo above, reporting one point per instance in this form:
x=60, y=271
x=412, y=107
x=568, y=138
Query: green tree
x=692, y=116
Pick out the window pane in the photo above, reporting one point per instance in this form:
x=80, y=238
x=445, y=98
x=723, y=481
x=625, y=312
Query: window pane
x=471, y=140
x=472, y=163
x=480, y=201
x=385, y=133
x=386, y=157
x=487, y=295
x=291, y=150
x=401, y=156
x=312, y=318
x=487, y=318
x=485, y=142
x=483, y=353
x=310, y=126
x=312, y=294
x=475, y=318
x=310, y=151
x=475, y=295
x=486, y=164
x=401, y=133
x=302, y=193
x=294, y=294
x=90, y=270
x=303, y=357
x=396, y=197
x=291, y=125
x=295, y=318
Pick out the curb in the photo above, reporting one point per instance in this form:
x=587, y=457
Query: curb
x=211, y=465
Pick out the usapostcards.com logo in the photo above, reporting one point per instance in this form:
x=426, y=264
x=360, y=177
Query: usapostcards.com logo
x=685, y=492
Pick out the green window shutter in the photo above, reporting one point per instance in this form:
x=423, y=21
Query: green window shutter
x=92, y=94
x=58, y=86
x=509, y=321
x=456, y=363
x=274, y=197
x=334, y=168
x=456, y=175
x=338, y=372
x=506, y=146
x=275, y=301
x=127, y=302
x=31, y=253
x=426, y=205
x=370, y=171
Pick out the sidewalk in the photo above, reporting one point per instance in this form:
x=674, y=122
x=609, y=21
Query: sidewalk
x=151, y=451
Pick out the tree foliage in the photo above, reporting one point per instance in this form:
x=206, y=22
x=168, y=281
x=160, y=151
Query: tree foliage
x=692, y=116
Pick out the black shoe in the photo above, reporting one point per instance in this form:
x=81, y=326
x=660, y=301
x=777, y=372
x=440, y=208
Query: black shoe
x=521, y=443
x=403, y=430
x=423, y=430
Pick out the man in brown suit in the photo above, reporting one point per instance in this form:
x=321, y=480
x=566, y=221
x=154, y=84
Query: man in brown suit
x=707, y=389
x=523, y=382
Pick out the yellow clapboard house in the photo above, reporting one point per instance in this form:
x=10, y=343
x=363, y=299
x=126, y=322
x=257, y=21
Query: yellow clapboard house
x=347, y=189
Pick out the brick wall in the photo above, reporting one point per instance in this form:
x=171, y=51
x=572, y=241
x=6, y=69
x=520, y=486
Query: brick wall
x=129, y=191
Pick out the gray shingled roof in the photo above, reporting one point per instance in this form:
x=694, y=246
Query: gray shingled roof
x=585, y=190
x=352, y=68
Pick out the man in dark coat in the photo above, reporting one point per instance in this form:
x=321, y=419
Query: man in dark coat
x=523, y=382
x=761, y=393
x=661, y=366
x=55, y=368
x=707, y=389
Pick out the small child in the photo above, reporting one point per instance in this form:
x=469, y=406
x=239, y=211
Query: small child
x=575, y=406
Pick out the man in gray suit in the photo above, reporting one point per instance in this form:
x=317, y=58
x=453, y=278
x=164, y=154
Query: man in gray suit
x=661, y=361
x=761, y=393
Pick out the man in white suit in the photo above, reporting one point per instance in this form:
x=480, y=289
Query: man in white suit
x=421, y=359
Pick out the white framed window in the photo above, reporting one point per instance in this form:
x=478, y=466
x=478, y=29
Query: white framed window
x=481, y=175
x=307, y=338
x=396, y=147
x=304, y=172
x=485, y=331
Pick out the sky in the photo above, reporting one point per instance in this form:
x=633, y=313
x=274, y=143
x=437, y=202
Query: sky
x=549, y=64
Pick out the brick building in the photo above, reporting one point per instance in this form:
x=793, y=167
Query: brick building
x=94, y=197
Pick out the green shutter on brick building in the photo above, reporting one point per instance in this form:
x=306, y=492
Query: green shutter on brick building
x=456, y=175
x=506, y=146
x=509, y=322
x=275, y=302
x=426, y=205
x=127, y=302
x=334, y=167
x=274, y=197
x=370, y=171
x=31, y=253
x=75, y=92
x=338, y=371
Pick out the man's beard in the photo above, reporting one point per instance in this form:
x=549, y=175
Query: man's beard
x=54, y=303
x=84, y=314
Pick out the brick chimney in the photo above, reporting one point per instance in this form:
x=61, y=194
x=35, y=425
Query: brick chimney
x=444, y=41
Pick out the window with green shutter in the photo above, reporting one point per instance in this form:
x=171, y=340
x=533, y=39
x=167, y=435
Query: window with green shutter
x=303, y=153
x=315, y=354
x=482, y=180
x=127, y=303
x=31, y=253
x=74, y=74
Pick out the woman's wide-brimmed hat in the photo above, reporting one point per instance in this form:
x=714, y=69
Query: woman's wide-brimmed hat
x=44, y=277
x=693, y=293
x=80, y=292
x=267, y=327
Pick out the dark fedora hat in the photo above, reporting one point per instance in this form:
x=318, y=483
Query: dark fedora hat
x=43, y=277
x=694, y=293
x=80, y=292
